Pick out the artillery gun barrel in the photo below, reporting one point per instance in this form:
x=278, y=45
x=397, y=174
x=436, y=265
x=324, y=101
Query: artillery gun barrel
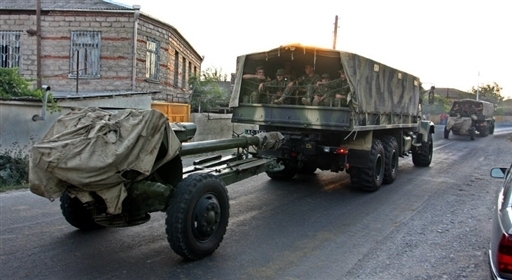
x=217, y=145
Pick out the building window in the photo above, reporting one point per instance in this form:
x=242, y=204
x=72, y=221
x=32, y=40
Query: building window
x=189, y=69
x=184, y=73
x=152, y=59
x=85, y=54
x=176, y=65
x=10, y=49
x=195, y=71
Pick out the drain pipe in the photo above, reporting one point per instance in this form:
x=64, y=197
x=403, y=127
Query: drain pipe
x=42, y=117
x=134, y=54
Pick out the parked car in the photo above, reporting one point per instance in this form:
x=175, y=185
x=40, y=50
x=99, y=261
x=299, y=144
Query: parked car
x=500, y=250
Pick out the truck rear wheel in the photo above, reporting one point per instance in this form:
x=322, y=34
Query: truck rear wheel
x=423, y=157
x=197, y=216
x=370, y=178
x=286, y=174
x=391, y=158
x=491, y=129
x=76, y=214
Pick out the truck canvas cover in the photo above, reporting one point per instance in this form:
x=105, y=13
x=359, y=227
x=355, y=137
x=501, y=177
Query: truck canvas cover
x=374, y=87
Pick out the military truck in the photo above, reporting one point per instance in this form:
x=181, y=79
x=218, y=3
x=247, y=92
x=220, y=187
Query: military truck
x=363, y=133
x=469, y=117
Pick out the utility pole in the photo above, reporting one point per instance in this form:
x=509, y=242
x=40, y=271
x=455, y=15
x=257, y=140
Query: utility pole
x=38, y=44
x=335, y=32
x=478, y=86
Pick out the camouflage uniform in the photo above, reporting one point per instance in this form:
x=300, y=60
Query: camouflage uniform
x=305, y=84
x=341, y=88
x=276, y=87
x=323, y=94
x=256, y=96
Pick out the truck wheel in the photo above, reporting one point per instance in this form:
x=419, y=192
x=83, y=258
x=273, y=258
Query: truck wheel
x=446, y=133
x=391, y=158
x=491, y=129
x=197, y=216
x=286, y=174
x=76, y=214
x=472, y=133
x=423, y=157
x=307, y=168
x=370, y=178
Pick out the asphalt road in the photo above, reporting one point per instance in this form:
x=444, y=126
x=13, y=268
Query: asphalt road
x=431, y=223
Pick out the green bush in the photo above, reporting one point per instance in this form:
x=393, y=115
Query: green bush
x=13, y=169
x=13, y=85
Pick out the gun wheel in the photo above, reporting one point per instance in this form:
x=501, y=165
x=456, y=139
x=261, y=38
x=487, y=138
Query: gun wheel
x=197, y=217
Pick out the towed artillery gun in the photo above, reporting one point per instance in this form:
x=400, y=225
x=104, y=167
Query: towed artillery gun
x=469, y=116
x=113, y=169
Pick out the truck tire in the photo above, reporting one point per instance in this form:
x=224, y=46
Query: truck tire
x=446, y=133
x=286, y=174
x=390, y=146
x=76, y=214
x=197, y=216
x=423, y=157
x=484, y=132
x=491, y=129
x=370, y=178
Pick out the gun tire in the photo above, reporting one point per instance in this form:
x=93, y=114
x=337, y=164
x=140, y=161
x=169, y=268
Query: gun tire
x=390, y=146
x=76, y=214
x=370, y=178
x=307, y=168
x=446, y=133
x=286, y=174
x=197, y=217
x=423, y=156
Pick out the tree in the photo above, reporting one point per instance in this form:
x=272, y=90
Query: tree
x=206, y=90
x=489, y=92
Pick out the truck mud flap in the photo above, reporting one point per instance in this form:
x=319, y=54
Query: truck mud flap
x=358, y=158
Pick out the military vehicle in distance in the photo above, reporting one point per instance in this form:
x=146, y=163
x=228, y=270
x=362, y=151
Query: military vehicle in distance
x=469, y=116
x=379, y=121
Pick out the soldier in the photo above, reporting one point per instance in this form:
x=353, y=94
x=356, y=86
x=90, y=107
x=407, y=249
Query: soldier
x=252, y=83
x=343, y=89
x=305, y=83
x=276, y=87
x=323, y=93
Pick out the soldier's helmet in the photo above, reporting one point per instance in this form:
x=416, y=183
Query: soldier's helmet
x=280, y=72
x=326, y=76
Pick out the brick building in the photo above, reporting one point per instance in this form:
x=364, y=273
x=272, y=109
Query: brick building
x=97, y=47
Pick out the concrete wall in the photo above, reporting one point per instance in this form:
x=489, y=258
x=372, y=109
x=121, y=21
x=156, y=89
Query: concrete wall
x=18, y=132
x=216, y=126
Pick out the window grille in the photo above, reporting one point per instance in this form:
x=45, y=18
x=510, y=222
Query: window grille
x=152, y=59
x=85, y=54
x=176, y=69
x=10, y=49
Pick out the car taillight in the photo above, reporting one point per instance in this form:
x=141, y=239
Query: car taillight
x=505, y=254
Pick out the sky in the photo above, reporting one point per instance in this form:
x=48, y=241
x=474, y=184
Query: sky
x=446, y=43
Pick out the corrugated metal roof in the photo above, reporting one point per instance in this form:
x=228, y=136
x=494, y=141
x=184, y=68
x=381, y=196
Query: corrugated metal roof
x=56, y=5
